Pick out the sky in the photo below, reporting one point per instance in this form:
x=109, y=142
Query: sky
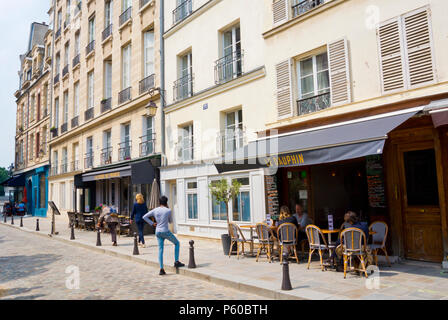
x=15, y=23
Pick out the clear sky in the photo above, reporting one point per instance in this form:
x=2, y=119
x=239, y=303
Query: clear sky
x=16, y=17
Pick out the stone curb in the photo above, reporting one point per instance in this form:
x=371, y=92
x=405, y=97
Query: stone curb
x=228, y=283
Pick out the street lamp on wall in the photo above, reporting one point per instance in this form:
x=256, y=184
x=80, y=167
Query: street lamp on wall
x=152, y=106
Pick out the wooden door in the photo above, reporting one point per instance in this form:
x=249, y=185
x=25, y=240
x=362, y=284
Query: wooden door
x=420, y=202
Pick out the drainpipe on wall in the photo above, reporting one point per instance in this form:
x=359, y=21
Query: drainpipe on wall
x=162, y=78
x=51, y=87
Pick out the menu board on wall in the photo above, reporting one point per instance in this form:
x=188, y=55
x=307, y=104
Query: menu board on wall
x=375, y=182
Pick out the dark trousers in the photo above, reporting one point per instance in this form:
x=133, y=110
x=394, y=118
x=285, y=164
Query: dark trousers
x=113, y=230
x=141, y=226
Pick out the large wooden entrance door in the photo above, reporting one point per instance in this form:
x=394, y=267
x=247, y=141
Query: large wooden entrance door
x=420, y=202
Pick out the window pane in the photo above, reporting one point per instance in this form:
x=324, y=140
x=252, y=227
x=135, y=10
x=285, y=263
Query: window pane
x=322, y=62
x=307, y=86
x=236, y=208
x=192, y=185
x=323, y=81
x=245, y=203
x=243, y=181
x=306, y=67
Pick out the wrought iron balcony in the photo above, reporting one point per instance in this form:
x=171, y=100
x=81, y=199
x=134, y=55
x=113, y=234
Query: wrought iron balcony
x=124, y=151
x=65, y=71
x=125, y=16
x=124, y=95
x=144, y=3
x=75, y=166
x=75, y=122
x=56, y=79
x=88, y=114
x=64, y=167
x=76, y=60
x=229, y=67
x=106, y=105
x=88, y=160
x=300, y=7
x=64, y=128
x=182, y=11
x=183, y=87
x=54, y=170
x=313, y=104
x=147, y=146
x=90, y=47
x=43, y=149
x=230, y=140
x=54, y=132
x=58, y=33
x=106, y=156
x=185, y=149
x=107, y=32
x=147, y=83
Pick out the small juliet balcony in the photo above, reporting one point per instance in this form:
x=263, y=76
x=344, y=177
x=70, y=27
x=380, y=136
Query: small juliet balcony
x=300, y=7
x=124, y=151
x=58, y=34
x=183, y=87
x=229, y=67
x=107, y=32
x=54, y=170
x=106, y=105
x=313, y=104
x=75, y=122
x=106, y=156
x=90, y=48
x=88, y=161
x=88, y=114
x=147, y=145
x=56, y=79
x=64, y=167
x=65, y=71
x=76, y=61
x=182, y=11
x=146, y=84
x=64, y=128
x=75, y=166
x=125, y=16
x=124, y=95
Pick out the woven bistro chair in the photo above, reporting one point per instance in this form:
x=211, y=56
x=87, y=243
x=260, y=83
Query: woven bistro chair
x=379, y=239
x=316, y=240
x=266, y=240
x=287, y=238
x=354, y=242
x=237, y=237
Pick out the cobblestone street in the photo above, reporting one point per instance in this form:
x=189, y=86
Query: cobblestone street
x=32, y=267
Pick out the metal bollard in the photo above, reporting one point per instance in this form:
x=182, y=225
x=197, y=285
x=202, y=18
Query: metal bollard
x=191, y=263
x=72, y=235
x=12, y=219
x=21, y=222
x=286, y=282
x=98, y=238
x=4, y=218
x=135, y=253
x=37, y=225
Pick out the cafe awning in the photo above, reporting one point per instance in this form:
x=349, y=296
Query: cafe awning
x=143, y=172
x=342, y=141
x=17, y=181
x=119, y=172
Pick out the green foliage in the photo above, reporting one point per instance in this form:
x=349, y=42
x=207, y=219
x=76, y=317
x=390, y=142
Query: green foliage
x=4, y=175
x=222, y=192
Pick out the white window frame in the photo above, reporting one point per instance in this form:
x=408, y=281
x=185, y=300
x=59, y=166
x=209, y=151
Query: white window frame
x=90, y=89
x=126, y=67
x=76, y=99
x=148, y=53
x=191, y=192
x=315, y=82
x=65, y=114
x=108, y=79
x=244, y=188
x=211, y=202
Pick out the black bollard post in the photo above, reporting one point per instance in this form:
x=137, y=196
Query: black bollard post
x=72, y=235
x=37, y=225
x=135, y=253
x=286, y=282
x=12, y=219
x=98, y=238
x=4, y=217
x=191, y=263
x=21, y=222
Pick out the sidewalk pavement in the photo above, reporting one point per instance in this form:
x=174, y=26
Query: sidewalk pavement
x=406, y=280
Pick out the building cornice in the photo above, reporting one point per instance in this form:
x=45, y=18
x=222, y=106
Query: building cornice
x=32, y=85
x=36, y=166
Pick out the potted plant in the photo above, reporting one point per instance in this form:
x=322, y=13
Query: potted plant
x=99, y=209
x=53, y=129
x=222, y=192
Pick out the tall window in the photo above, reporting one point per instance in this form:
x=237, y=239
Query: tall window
x=233, y=135
x=55, y=160
x=108, y=13
x=184, y=86
x=77, y=43
x=38, y=107
x=107, y=79
x=219, y=211
x=241, y=203
x=31, y=146
x=64, y=156
x=66, y=54
x=56, y=113
x=37, y=144
x=192, y=200
x=126, y=67
x=148, y=40
x=91, y=29
x=125, y=4
x=62, y=195
x=107, y=141
x=65, y=114
x=313, y=76
x=76, y=100
x=231, y=63
x=58, y=64
x=90, y=88
x=89, y=145
x=59, y=19
x=186, y=143
x=33, y=99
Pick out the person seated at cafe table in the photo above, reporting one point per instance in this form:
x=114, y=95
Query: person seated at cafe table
x=303, y=221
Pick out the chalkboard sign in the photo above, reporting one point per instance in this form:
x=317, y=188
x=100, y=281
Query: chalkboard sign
x=55, y=209
x=375, y=182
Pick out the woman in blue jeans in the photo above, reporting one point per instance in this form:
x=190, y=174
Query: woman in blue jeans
x=163, y=218
x=139, y=210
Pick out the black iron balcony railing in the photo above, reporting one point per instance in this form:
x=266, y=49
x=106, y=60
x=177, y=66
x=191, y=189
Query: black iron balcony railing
x=54, y=170
x=64, y=128
x=230, y=140
x=58, y=33
x=65, y=71
x=147, y=146
x=229, y=67
x=56, y=79
x=75, y=165
x=144, y=3
x=183, y=87
x=125, y=16
x=75, y=122
x=302, y=6
x=313, y=104
x=124, y=95
x=88, y=114
x=88, y=160
x=76, y=60
x=106, y=105
x=124, y=151
x=54, y=132
x=182, y=11
x=107, y=32
x=146, y=84
x=106, y=156
x=64, y=167
x=90, y=47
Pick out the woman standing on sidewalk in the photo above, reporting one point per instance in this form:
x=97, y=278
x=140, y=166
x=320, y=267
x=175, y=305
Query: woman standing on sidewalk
x=139, y=210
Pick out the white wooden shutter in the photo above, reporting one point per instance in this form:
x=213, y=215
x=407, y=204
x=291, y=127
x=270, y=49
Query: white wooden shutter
x=391, y=56
x=339, y=72
x=284, y=90
x=419, y=53
x=280, y=10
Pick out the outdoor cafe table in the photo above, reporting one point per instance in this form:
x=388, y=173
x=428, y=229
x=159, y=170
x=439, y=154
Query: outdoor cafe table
x=252, y=227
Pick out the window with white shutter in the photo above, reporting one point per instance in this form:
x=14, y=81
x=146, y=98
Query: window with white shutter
x=280, y=10
x=339, y=72
x=284, y=92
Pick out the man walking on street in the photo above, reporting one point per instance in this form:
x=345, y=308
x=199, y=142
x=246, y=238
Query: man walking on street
x=163, y=218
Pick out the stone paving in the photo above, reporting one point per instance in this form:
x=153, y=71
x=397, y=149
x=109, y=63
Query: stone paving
x=405, y=280
x=33, y=267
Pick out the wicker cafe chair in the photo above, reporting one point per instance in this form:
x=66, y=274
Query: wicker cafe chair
x=354, y=245
x=287, y=237
x=379, y=239
x=317, y=242
x=266, y=240
x=237, y=237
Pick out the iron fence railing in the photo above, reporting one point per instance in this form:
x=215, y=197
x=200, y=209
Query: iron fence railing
x=125, y=16
x=146, y=84
x=124, y=95
x=313, y=104
x=182, y=11
x=88, y=114
x=88, y=160
x=183, y=87
x=90, y=47
x=147, y=145
x=107, y=32
x=229, y=67
x=124, y=151
x=302, y=6
x=106, y=105
x=106, y=156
